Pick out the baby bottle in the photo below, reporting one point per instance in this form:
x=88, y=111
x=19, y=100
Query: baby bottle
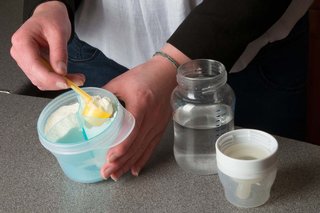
x=203, y=109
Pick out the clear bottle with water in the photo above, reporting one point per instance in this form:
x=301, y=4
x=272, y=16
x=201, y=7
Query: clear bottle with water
x=203, y=109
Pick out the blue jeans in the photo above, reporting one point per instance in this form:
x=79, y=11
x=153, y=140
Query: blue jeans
x=98, y=69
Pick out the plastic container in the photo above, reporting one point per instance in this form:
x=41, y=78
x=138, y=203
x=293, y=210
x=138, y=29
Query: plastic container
x=203, y=109
x=83, y=152
x=246, y=160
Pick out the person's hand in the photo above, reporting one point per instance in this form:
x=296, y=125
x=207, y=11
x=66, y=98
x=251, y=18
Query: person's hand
x=39, y=47
x=146, y=91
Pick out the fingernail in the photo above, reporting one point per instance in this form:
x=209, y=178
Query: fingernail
x=62, y=67
x=83, y=77
x=112, y=158
x=114, y=178
x=62, y=85
x=107, y=173
x=79, y=83
x=40, y=88
x=135, y=172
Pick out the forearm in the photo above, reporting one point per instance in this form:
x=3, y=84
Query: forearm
x=221, y=29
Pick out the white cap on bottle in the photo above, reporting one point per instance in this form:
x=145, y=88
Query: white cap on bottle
x=246, y=153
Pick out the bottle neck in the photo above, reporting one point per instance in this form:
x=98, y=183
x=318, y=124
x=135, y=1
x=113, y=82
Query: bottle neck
x=201, y=75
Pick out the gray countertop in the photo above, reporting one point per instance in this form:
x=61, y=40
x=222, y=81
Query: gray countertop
x=32, y=181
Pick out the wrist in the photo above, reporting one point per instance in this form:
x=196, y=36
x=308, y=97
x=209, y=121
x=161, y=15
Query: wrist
x=165, y=63
x=175, y=54
x=170, y=57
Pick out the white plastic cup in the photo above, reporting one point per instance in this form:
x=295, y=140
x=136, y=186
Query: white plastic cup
x=82, y=158
x=246, y=161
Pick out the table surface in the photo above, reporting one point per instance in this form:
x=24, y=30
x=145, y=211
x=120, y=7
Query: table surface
x=32, y=181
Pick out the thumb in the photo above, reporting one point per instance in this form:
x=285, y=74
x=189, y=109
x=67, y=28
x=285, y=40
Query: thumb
x=58, y=54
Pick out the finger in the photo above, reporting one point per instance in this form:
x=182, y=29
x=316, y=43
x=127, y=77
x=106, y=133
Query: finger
x=120, y=150
x=106, y=170
x=138, y=165
x=45, y=79
x=58, y=52
x=137, y=161
x=138, y=131
x=116, y=174
x=135, y=155
x=77, y=78
x=123, y=163
x=117, y=155
x=34, y=66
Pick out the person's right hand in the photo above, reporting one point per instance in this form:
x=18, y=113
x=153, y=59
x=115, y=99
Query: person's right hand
x=39, y=47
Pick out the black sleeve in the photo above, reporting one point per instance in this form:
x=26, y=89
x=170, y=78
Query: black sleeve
x=30, y=5
x=221, y=29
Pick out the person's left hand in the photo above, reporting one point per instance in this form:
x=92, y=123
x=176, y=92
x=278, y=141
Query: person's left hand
x=146, y=91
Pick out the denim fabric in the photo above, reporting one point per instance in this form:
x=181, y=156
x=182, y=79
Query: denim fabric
x=90, y=61
x=271, y=91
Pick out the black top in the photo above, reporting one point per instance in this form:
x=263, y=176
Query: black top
x=30, y=5
x=218, y=29
x=221, y=29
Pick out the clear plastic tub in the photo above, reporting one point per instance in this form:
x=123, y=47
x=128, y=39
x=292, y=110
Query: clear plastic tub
x=83, y=152
x=246, y=160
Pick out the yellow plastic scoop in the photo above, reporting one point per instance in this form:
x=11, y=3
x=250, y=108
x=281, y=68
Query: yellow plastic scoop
x=90, y=109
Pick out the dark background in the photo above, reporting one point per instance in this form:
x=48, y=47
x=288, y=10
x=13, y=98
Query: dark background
x=12, y=78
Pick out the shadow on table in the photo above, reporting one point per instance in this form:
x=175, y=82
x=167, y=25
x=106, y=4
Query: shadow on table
x=31, y=90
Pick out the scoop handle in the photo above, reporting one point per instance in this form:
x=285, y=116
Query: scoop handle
x=78, y=90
